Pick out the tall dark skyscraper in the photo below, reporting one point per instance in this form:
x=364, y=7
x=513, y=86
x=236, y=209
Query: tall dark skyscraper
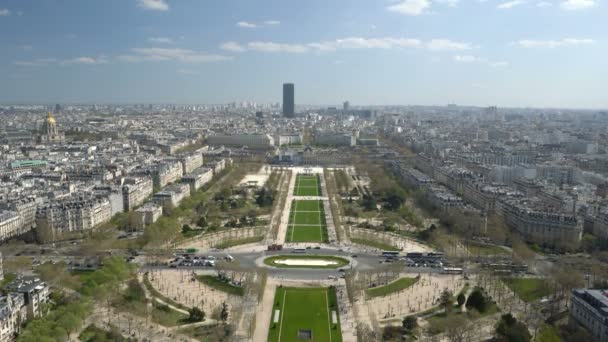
x=288, y=100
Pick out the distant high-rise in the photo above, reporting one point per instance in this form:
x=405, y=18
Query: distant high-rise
x=288, y=100
x=346, y=105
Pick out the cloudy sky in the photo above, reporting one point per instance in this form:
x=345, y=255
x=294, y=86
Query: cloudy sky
x=481, y=52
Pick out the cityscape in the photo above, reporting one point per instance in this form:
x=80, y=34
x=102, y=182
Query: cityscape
x=158, y=207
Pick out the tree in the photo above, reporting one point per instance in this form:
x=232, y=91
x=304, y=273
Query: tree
x=446, y=301
x=510, y=330
x=457, y=328
x=461, y=299
x=196, y=315
x=394, y=199
x=477, y=300
x=224, y=313
x=368, y=202
x=410, y=323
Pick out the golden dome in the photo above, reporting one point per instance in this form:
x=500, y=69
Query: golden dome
x=50, y=119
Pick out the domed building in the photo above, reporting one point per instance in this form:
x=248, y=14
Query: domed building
x=49, y=132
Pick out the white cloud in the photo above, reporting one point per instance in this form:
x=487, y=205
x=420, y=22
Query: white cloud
x=232, y=46
x=469, y=59
x=447, y=45
x=385, y=43
x=85, y=60
x=272, y=22
x=164, y=54
x=48, y=61
x=245, y=24
x=479, y=60
x=4, y=12
x=154, y=5
x=551, y=44
x=574, y=5
x=277, y=47
x=160, y=40
x=543, y=4
x=410, y=7
x=510, y=4
x=450, y=3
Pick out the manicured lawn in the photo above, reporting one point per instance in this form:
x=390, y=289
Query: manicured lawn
x=271, y=261
x=307, y=222
x=221, y=285
x=375, y=244
x=166, y=316
x=480, y=249
x=307, y=186
x=395, y=286
x=305, y=309
x=236, y=242
x=308, y=218
x=302, y=233
x=528, y=289
x=307, y=205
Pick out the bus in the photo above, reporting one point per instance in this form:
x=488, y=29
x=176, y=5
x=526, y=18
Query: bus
x=390, y=254
x=452, y=270
x=435, y=255
x=299, y=250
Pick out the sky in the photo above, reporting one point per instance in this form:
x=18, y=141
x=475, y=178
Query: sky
x=511, y=53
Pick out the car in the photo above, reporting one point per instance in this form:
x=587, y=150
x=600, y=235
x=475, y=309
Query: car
x=317, y=247
x=308, y=247
x=341, y=270
x=211, y=257
x=353, y=256
x=331, y=277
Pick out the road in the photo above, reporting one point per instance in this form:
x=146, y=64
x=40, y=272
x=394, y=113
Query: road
x=360, y=260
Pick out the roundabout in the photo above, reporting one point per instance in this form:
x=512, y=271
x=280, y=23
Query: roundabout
x=306, y=261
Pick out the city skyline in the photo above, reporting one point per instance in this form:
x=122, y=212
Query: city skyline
x=412, y=52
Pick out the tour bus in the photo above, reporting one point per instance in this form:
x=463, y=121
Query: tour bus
x=390, y=254
x=452, y=270
x=299, y=250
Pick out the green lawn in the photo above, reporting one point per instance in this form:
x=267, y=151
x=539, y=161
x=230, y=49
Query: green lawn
x=221, y=285
x=307, y=222
x=307, y=205
x=271, y=261
x=395, y=286
x=480, y=249
x=305, y=309
x=375, y=244
x=302, y=233
x=236, y=242
x=307, y=186
x=528, y=289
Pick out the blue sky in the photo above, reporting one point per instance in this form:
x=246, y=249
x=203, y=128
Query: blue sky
x=543, y=53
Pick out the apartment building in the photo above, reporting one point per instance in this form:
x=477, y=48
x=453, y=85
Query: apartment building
x=171, y=196
x=13, y=312
x=190, y=162
x=135, y=191
x=71, y=214
x=35, y=294
x=252, y=141
x=147, y=214
x=589, y=308
x=198, y=178
x=540, y=224
x=11, y=225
